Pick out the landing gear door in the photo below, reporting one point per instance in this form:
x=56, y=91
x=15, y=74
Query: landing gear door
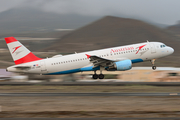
x=153, y=48
x=43, y=67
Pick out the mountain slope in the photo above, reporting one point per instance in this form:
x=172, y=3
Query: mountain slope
x=32, y=20
x=109, y=32
x=174, y=29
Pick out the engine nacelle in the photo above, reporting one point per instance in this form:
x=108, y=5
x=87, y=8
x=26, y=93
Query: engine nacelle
x=121, y=65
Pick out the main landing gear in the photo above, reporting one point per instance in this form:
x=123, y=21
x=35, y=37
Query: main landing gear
x=100, y=76
x=95, y=76
x=153, y=67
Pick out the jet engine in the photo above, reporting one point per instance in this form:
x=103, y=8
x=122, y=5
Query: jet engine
x=120, y=65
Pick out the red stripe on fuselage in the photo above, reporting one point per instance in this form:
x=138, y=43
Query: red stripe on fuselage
x=10, y=40
x=28, y=58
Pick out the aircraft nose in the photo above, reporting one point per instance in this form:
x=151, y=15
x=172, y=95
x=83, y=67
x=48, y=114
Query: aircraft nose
x=171, y=50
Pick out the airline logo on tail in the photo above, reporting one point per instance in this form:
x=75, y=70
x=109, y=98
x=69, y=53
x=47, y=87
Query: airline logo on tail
x=15, y=48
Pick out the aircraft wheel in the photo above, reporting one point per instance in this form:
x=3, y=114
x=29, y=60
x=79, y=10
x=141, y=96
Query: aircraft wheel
x=101, y=76
x=154, y=67
x=95, y=76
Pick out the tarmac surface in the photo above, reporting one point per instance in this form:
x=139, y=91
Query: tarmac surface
x=90, y=83
x=87, y=94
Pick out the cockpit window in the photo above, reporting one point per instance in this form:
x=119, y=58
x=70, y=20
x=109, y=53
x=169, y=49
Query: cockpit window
x=162, y=46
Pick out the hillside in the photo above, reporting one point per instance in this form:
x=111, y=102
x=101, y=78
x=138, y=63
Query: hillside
x=113, y=31
x=31, y=20
x=28, y=20
x=174, y=29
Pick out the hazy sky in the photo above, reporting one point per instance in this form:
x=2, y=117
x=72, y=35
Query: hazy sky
x=159, y=11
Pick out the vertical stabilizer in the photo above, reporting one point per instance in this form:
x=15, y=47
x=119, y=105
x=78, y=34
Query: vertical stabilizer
x=19, y=52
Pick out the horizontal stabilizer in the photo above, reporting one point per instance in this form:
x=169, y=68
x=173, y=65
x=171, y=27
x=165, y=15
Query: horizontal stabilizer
x=22, y=67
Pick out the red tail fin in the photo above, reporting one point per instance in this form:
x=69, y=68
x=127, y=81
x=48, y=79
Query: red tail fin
x=19, y=52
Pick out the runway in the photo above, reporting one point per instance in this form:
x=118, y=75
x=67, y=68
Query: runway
x=91, y=83
x=87, y=94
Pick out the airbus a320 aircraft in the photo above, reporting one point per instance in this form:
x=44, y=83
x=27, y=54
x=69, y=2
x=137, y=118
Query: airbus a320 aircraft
x=110, y=59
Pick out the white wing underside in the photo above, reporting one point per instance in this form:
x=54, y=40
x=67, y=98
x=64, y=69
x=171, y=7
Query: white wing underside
x=99, y=61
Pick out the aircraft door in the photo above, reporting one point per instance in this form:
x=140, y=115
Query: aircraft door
x=43, y=67
x=153, y=48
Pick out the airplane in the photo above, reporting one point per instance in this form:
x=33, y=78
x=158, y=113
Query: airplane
x=111, y=59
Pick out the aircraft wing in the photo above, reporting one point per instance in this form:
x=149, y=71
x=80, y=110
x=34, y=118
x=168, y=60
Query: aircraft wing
x=98, y=61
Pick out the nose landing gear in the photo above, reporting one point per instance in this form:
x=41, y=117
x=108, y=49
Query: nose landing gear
x=153, y=67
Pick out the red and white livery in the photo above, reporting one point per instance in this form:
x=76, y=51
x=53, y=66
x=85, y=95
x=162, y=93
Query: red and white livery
x=111, y=59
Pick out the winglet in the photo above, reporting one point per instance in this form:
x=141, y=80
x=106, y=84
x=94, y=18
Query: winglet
x=88, y=56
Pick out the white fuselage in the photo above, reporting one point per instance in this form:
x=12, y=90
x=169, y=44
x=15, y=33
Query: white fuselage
x=80, y=62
